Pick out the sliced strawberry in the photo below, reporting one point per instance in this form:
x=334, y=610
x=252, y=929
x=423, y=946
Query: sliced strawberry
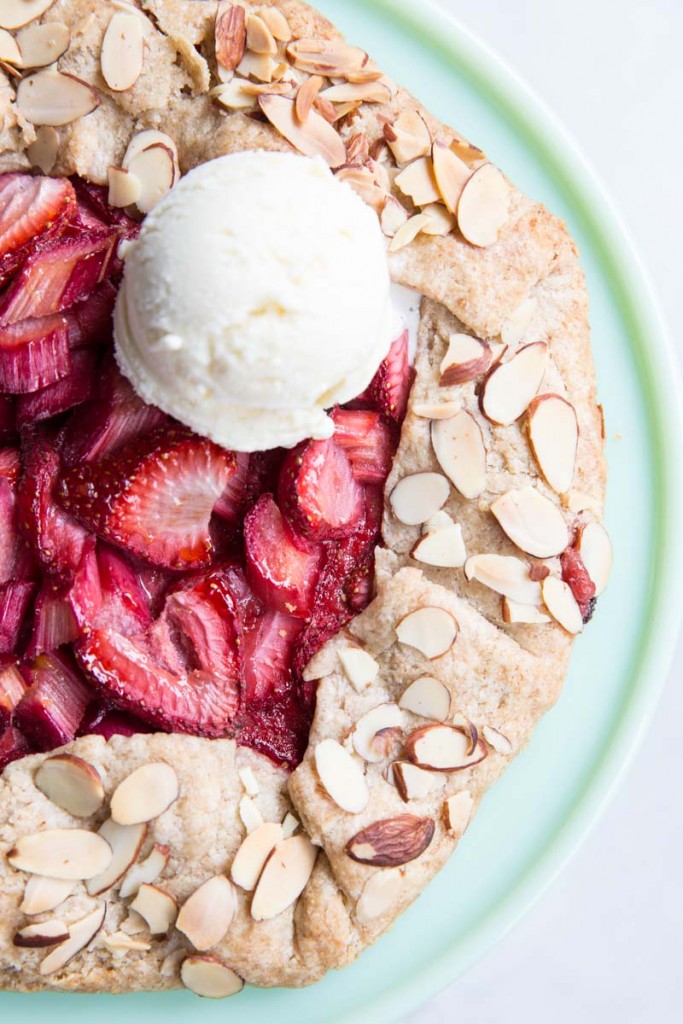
x=389, y=389
x=93, y=198
x=278, y=728
x=154, y=497
x=12, y=689
x=368, y=442
x=70, y=391
x=264, y=473
x=10, y=465
x=90, y=321
x=282, y=574
x=124, y=603
x=51, y=710
x=574, y=573
x=231, y=503
x=34, y=353
x=32, y=209
x=266, y=652
x=101, y=719
x=13, y=745
x=317, y=491
x=8, y=419
x=53, y=621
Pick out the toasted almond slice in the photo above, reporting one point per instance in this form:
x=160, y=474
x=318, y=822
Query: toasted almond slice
x=71, y=783
x=358, y=92
x=9, y=49
x=44, y=149
x=466, y=150
x=259, y=37
x=41, y=45
x=42, y=894
x=415, y=783
x=37, y=936
x=427, y=697
x=484, y=206
x=145, y=794
x=507, y=575
x=207, y=914
x=327, y=110
x=377, y=720
x=441, y=222
x=554, y=436
x=81, y=933
x=510, y=387
x=443, y=748
x=261, y=66
x=15, y=13
x=532, y=522
x=380, y=894
x=362, y=181
x=466, y=359
x=443, y=548
x=72, y=854
x=249, y=781
x=209, y=977
x=408, y=137
x=249, y=813
x=439, y=521
x=277, y=23
x=360, y=668
x=126, y=842
x=331, y=58
x=562, y=605
x=515, y=328
x=341, y=776
x=430, y=630
x=119, y=942
x=54, y=98
x=580, y=501
x=451, y=174
x=315, y=138
x=290, y=825
x=158, y=908
x=408, y=232
x=391, y=842
x=154, y=169
x=123, y=51
x=124, y=187
x=595, y=549
x=252, y=855
x=418, y=182
x=284, y=877
x=147, y=871
x=495, y=739
x=436, y=410
x=230, y=35
x=306, y=95
x=171, y=964
x=514, y=613
x=143, y=140
x=459, y=447
x=235, y=96
x=284, y=88
x=417, y=497
x=458, y=811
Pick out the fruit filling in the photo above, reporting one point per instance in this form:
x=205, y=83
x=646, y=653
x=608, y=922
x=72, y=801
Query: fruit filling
x=150, y=579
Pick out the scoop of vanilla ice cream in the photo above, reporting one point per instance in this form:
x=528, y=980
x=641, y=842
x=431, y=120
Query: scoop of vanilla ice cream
x=256, y=296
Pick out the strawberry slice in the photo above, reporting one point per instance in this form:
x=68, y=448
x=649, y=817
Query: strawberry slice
x=266, y=654
x=368, y=442
x=231, y=503
x=389, y=389
x=278, y=728
x=574, y=573
x=317, y=491
x=90, y=322
x=154, y=497
x=34, y=353
x=124, y=603
x=13, y=745
x=101, y=719
x=32, y=210
x=93, y=198
x=64, y=394
x=10, y=465
x=282, y=574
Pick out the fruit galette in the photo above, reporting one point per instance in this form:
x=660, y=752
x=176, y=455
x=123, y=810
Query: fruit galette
x=292, y=557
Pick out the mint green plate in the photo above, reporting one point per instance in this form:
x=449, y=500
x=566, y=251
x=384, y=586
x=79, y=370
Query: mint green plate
x=534, y=819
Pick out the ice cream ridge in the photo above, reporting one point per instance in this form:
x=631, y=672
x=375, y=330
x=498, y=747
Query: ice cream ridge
x=256, y=297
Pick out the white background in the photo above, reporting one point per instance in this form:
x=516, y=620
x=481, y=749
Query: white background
x=605, y=944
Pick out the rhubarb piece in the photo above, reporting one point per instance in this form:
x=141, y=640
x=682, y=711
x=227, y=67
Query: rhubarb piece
x=53, y=621
x=34, y=353
x=63, y=395
x=12, y=689
x=15, y=558
x=101, y=720
x=154, y=497
x=318, y=493
x=90, y=321
x=32, y=210
x=266, y=652
x=389, y=389
x=51, y=710
x=367, y=441
x=13, y=745
x=15, y=598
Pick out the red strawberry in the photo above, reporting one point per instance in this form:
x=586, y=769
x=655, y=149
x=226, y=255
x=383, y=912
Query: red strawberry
x=93, y=198
x=574, y=573
x=389, y=389
x=64, y=394
x=278, y=728
x=154, y=497
x=266, y=654
x=8, y=422
x=317, y=491
x=13, y=745
x=101, y=719
x=10, y=465
x=124, y=603
x=367, y=441
x=281, y=573
x=263, y=475
x=34, y=353
x=90, y=321
x=231, y=503
x=51, y=710
x=32, y=209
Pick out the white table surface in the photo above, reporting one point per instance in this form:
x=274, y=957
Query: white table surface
x=605, y=943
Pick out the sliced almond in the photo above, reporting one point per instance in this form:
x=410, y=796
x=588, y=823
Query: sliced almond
x=134, y=924
x=207, y=914
x=36, y=936
x=120, y=943
x=510, y=387
x=515, y=328
x=443, y=548
x=417, y=497
x=532, y=522
x=261, y=66
x=126, y=842
x=235, y=96
x=290, y=825
x=418, y=182
x=314, y=138
x=580, y=501
x=430, y=630
x=443, y=748
x=154, y=170
x=284, y=877
x=72, y=854
x=231, y=35
x=147, y=871
x=157, y=907
x=43, y=894
x=331, y=58
x=277, y=23
x=249, y=781
x=259, y=37
x=554, y=435
x=466, y=150
x=377, y=720
x=143, y=140
x=357, y=92
x=514, y=613
x=562, y=605
x=249, y=813
x=171, y=963
x=363, y=182
x=9, y=50
x=595, y=549
x=54, y=98
x=44, y=149
x=145, y=794
x=466, y=359
x=124, y=187
x=437, y=410
x=408, y=137
x=495, y=739
x=71, y=783
x=283, y=88
x=484, y=206
x=391, y=842
x=123, y=51
x=459, y=447
x=15, y=13
x=81, y=933
x=341, y=776
x=507, y=575
x=458, y=811
x=379, y=896
x=209, y=977
x=360, y=668
x=451, y=174
x=408, y=232
x=415, y=783
x=252, y=855
x=427, y=697
x=306, y=95
x=441, y=222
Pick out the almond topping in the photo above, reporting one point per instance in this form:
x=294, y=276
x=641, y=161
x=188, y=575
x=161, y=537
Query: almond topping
x=123, y=51
x=515, y=328
x=315, y=138
x=42, y=894
x=408, y=232
x=510, y=387
x=408, y=137
x=54, y=98
x=362, y=181
x=290, y=825
x=380, y=894
x=15, y=13
x=207, y=914
x=442, y=547
x=157, y=907
x=249, y=814
x=150, y=137
x=417, y=497
x=234, y=95
x=507, y=575
x=261, y=66
x=249, y=781
x=331, y=58
x=71, y=854
x=277, y=23
x=532, y=522
x=357, y=92
x=119, y=944
x=209, y=977
x=443, y=748
x=306, y=95
x=514, y=612
x=376, y=721
x=154, y=169
x=441, y=222
x=432, y=631
x=580, y=501
x=484, y=206
x=595, y=549
x=146, y=871
x=72, y=784
x=124, y=188
x=231, y=35
x=145, y=794
x=415, y=783
x=467, y=151
x=9, y=50
x=554, y=435
x=47, y=933
x=81, y=933
x=451, y=175
x=259, y=37
x=418, y=182
x=562, y=605
x=42, y=45
x=341, y=776
x=126, y=842
x=390, y=842
x=436, y=410
x=458, y=811
x=466, y=359
x=495, y=739
x=284, y=877
x=459, y=447
x=360, y=668
x=171, y=963
x=252, y=855
x=427, y=697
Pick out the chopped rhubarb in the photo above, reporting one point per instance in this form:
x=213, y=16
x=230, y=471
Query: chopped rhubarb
x=12, y=689
x=34, y=353
x=367, y=441
x=51, y=710
x=101, y=719
x=317, y=491
x=15, y=600
x=90, y=321
x=53, y=621
x=13, y=745
x=32, y=210
x=72, y=390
